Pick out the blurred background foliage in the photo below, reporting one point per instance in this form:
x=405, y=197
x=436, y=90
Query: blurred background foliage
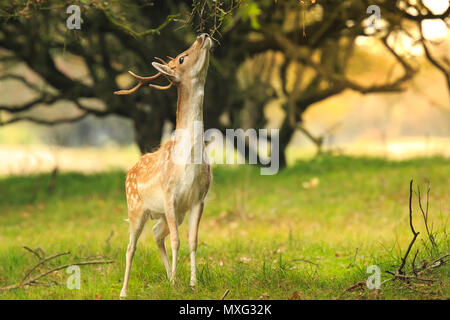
x=317, y=70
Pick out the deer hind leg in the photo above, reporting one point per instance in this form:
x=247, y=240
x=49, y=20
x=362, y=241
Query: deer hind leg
x=194, y=221
x=137, y=223
x=174, y=237
x=160, y=232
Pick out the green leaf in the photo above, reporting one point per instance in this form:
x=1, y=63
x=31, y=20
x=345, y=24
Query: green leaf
x=251, y=12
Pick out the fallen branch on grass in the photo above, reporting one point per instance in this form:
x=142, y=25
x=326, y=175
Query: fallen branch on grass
x=435, y=264
x=306, y=261
x=42, y=262
x=35, y=252
x=352, y=263
x=356, y=286
x=425, y=214
x=399, y=273
x=33, y=281
x=415, y=234
x=225, y=294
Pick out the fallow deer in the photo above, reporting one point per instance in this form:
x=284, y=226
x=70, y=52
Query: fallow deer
x=164, y=190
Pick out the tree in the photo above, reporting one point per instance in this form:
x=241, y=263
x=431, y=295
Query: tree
x=35, y=33
x=316, y=37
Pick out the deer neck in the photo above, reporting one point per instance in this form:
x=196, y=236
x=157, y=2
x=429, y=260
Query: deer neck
x=190, y=106
x=190, y=121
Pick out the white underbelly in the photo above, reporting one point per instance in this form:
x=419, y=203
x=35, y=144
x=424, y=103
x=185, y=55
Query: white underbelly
x=153, y=199
x=190, y=190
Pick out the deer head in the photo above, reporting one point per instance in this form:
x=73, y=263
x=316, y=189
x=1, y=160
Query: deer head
x=190, y=65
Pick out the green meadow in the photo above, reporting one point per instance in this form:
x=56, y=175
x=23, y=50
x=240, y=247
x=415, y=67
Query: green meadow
x=309, y=232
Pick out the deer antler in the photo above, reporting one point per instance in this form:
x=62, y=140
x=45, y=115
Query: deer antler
x=145, y=80
x=161, y=60
x=142, y=80
x=161, y=87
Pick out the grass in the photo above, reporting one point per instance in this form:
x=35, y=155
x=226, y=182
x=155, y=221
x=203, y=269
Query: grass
x=261, y=237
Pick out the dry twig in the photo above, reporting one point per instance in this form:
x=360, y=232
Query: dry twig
x=33, y=281
x=400, y=273
x=225, y=294
x=415, y=234
x=416, y=273
x=425, y=214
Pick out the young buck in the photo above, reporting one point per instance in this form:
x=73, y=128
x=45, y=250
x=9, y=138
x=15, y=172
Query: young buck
x=163, y=189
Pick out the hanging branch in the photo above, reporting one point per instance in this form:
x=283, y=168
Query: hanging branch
x=441, y=66
x=44, y=121
x=137, y=35
x=23, y=80
x=209, y=16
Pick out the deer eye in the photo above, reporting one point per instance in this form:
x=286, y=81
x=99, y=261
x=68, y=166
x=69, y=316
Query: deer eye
x=181, y=60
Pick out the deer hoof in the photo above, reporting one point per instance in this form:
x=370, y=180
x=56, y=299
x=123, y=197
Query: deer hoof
x=123, y=295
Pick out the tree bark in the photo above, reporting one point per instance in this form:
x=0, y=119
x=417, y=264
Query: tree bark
x=285, y=135
x=148, y=133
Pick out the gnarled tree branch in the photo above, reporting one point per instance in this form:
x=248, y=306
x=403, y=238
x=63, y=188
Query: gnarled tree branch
x=44, y=121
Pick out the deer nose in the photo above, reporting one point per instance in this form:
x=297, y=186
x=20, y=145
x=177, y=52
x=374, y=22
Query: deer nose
x=203, y=35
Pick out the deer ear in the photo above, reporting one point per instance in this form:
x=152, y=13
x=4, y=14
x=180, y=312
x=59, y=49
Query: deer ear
x=165, y=70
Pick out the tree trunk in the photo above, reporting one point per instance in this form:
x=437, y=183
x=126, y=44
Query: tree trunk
x=286, y=133
x=148, y=133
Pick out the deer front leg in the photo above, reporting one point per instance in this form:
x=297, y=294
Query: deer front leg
x=137, y=222
x=174, y=238
x=194, y=221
